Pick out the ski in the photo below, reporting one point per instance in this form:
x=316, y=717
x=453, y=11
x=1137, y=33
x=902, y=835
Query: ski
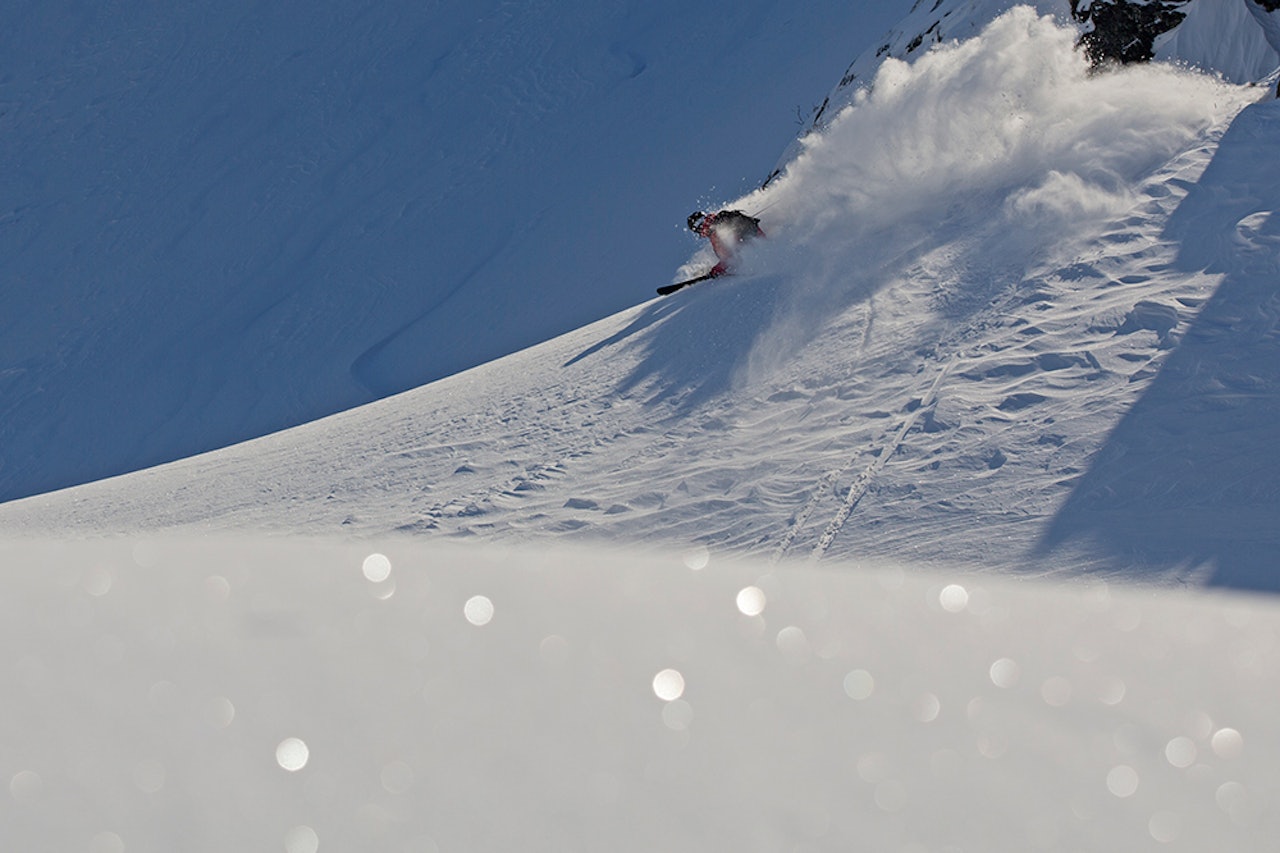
x=672, y=288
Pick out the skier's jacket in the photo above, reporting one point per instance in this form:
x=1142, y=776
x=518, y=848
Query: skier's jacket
x=727, y=230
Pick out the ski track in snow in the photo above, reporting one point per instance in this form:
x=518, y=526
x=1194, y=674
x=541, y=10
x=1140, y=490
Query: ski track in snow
x=881, y=455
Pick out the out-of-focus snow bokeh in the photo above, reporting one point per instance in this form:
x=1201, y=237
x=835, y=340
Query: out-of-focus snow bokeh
x=206, y=695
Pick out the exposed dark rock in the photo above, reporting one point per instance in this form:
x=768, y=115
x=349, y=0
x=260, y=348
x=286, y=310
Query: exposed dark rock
x=1123, y=31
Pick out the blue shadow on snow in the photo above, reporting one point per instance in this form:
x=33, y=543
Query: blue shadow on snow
x=696, y=340
x=1189, y=480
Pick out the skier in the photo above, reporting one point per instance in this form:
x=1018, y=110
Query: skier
x=726, y=229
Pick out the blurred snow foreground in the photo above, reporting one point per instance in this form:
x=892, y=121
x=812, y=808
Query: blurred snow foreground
x=213, y=695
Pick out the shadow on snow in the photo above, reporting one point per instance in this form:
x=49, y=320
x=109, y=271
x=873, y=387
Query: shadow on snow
x=1189, y=480
x=695, y=341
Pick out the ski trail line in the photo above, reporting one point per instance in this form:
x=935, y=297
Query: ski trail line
x=803, y=516
x=863, y=481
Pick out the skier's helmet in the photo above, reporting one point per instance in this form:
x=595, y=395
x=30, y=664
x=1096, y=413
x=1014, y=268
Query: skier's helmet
x=696, y=219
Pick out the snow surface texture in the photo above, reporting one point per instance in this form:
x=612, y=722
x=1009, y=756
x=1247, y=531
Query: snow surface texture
x=302, y=697
x=220, y=218
x=972, y=279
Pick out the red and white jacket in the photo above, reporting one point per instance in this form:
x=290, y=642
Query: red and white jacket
x=727, y=230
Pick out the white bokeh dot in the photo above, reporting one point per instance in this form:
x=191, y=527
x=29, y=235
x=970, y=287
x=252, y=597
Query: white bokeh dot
x=1122, y=781
x=1056, y=691
x=478, y=610
x=376, y=568
x=97, y=581
x=677, y=715
x=1112, y=693
x=217, y=588
x=1005, y=673
x=668, y=685
x=220, y=713
x=926, y=707
x=1233, y=798
x=554, y=649
x=793, y=644
x=751, y=601
x=859, y=684
x=697, y=558
x=1165, y=826
x=1227, y=743
x=1180, y=752
x=293, y=754
x=106, y=842
x=25, y=785
x=954, y=598
x=383, y=591
x=301, y=839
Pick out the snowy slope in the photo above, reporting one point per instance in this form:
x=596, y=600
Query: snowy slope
x=974, y=276
x=220, y=219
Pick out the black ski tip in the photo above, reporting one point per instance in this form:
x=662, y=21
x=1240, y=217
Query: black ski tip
x=672, y=288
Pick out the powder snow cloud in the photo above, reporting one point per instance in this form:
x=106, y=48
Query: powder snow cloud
x=1011, y=120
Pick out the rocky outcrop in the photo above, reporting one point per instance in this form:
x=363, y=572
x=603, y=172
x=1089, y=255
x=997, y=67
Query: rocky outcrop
x=1124, y=31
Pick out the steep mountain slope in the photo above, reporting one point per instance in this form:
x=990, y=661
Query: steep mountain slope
x=220, y=219
x=972, y=276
